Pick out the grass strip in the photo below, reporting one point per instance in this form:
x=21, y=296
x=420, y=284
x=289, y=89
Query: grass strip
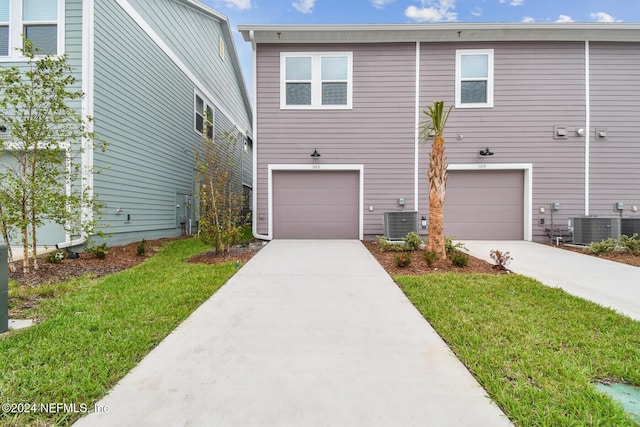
x=93, y=335
x=536, y=350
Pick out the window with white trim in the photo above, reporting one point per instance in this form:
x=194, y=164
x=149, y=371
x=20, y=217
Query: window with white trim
x=318, y=80
x=474, y=78
x=41, y=21
x=203, y=116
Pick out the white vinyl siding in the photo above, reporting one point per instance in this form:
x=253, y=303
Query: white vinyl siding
x=316, y=80
x=41, y=21
x=474, y=78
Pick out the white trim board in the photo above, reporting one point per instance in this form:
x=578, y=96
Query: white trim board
x=311, y=168
x=528, y=186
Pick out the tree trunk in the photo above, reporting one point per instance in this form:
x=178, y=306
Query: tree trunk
x=437, y=184
x=34, y=242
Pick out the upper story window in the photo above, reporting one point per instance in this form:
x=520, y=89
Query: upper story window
x=41, y=21
x=474, y=78
x=203, y=116
x=316, y=80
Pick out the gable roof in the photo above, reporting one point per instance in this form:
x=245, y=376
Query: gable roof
x=447, y=32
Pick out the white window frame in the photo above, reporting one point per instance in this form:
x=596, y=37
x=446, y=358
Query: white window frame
x=205, y=104
x=463, y=52
x=316, y=80
x=16, y=29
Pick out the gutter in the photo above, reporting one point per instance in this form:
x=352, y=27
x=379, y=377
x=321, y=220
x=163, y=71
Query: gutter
x=254, y=220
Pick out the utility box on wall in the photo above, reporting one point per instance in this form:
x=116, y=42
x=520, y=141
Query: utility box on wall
x=4, y=289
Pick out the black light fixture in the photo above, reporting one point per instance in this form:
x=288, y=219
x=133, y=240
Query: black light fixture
x=486, y=152
x=315, y=154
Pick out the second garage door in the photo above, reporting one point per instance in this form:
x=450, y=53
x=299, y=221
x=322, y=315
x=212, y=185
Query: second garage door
x=316, y=204
x=485, y=205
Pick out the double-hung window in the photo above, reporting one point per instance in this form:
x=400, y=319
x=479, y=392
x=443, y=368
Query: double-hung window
x=203, y=116
x=40, y=21
x=316, y=80
x=474, y=78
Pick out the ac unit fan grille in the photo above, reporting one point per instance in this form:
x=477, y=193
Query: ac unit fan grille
x=398, y=224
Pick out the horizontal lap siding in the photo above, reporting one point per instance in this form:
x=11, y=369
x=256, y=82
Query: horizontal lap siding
x=194, y=38
x=615, y=105
x=144, y=110
x=536, y=87
x=378, y=132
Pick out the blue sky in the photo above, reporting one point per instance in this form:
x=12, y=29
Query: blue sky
x=415, y=11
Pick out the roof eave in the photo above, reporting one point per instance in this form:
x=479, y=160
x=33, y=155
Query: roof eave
x=447, y=32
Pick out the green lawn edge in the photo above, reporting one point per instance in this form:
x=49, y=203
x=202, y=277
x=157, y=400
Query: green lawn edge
x=536, y=350
x=93, y=335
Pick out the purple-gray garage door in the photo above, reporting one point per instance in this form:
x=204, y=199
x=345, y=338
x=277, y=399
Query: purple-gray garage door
x=485, y=205
x=315, y=204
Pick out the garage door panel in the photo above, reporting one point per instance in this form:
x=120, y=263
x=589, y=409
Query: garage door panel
x=316, y=204
x=485, y=205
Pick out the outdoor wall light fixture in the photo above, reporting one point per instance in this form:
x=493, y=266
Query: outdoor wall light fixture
x=580, y=132
x=315, y=154
x=486, y=152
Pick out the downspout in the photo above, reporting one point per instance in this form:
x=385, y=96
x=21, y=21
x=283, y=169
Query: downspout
x=254, y=202
x=416, y=166
x=87, y=111
x=587, y=127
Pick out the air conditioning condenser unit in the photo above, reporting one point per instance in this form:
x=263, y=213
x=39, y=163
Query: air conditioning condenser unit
x=397, y=224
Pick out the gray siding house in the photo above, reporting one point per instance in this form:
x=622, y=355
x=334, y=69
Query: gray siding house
x=545, y=126
x=151, y=71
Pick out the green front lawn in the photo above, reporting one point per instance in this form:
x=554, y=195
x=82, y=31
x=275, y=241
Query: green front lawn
x=535, y=349
x=94, y=334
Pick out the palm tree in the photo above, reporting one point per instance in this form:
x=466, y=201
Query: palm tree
x=434, y=127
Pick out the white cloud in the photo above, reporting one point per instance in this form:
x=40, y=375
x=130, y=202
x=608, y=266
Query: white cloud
x=477, y=11
x=604, y=17
x=528, y=20
x=516, y=2
x=438, y=11
x=379, y=4
x=303, y=6
x=238, y=4
x=564, y=19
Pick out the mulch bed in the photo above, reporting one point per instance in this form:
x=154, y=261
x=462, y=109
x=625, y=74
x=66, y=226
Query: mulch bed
x=622, y=257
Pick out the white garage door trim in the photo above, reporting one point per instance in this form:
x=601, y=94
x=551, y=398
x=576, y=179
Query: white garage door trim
x=316, y=167
x=527, y=168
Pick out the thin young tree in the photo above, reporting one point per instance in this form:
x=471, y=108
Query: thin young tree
x=221, y=197
x=41, y=178
x=433, y=128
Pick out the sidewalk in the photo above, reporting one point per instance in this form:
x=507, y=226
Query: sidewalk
x=308, y=333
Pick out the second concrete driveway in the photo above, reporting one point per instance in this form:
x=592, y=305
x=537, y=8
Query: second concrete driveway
x=308, y=333
x=605, y=282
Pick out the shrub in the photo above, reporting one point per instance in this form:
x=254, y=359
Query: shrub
x=54, y=257
x=459, y=259
x=99, y=251
x=604, y=247
x=402, y=259
x=141, y=248
x=502, y=259
x=630, y=244
x=430, y=257
x=386, y=245
x=451, y=248
x=412, y=241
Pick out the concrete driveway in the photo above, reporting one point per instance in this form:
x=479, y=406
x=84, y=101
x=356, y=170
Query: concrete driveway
x=607, y=283
x=308, y=333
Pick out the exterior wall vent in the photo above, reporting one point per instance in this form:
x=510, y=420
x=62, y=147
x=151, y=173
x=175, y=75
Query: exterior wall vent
x=587, y=230
x=630, y=226
x=399, y=223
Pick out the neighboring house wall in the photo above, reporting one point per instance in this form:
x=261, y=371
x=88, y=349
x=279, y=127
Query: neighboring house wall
x=144, y=108
x=50, y=233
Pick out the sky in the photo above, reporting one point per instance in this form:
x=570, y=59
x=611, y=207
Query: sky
x=414, y=11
